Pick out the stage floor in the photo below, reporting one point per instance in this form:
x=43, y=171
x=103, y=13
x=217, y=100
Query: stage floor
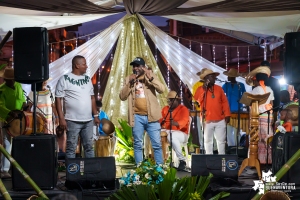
x=239, y=190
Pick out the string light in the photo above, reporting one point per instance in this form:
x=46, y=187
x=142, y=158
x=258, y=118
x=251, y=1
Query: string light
x=76, y=43
x=238, y=57
x=214, y=54
x=201, y=47
x=190, y=45
x=50, y=53
x=226, y=58
x=155, y=53
x=265, y=52
x=99, y=83
x=248, y=59
x=64, y=48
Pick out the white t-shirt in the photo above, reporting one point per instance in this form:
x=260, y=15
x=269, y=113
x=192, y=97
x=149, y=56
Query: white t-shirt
x=76, y=92
x=260, y=90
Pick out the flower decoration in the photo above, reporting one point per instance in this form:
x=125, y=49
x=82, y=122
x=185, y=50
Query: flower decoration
x=146, y=173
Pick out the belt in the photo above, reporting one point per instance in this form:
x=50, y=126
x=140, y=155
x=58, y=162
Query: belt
x=213, y=121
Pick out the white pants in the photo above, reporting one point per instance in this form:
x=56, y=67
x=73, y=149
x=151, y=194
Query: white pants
x=217, y=130
x=231, y=135
x=200, y=134
x=5, y=163
x=178, y=138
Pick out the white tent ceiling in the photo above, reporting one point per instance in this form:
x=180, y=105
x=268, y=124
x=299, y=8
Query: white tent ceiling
x=270, y=17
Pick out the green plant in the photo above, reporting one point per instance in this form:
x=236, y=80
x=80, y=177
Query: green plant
x=146, y=173
x=191, y=145
x=124, y=147
x=171, y=188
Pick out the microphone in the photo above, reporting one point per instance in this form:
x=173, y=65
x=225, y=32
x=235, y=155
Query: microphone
x=134, y=80
x=24, y=92
x=49, y=87
x=220, y=80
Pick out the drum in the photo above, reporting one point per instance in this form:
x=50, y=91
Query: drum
x=244, y=121
x=102, y=146
x=26, y=127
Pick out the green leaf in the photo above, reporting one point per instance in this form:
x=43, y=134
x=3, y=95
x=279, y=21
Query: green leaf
x=2, y=66
x=220, y=196
x=164, y=191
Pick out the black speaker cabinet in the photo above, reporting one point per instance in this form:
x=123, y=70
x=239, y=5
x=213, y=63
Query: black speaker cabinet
x=91, y=173
x=292, y=58
x=37, y=155
x=284, y=146
x=31, y=59
x=221, y=166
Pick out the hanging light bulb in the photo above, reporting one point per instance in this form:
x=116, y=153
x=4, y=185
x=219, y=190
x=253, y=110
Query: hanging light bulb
x=248, y=59
x=214, y=54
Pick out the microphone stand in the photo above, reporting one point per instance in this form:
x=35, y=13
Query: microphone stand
x=171, y=119
x=239, y=119
x=268, y=111
x=203, y=116
x=53, y=114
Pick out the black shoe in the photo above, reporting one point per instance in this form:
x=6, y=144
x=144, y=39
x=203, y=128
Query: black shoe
x=181, y=166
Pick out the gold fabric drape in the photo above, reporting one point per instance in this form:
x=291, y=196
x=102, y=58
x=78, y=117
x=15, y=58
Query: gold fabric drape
x=131, y=44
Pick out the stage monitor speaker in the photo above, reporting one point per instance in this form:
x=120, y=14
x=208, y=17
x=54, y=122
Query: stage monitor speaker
x=91, y=173
x=31, y=59
x=37, y=155
x=223, y=167
x=284, y=146
x=292, y=58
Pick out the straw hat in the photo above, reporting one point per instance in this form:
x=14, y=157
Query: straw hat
x=8, y=74
x=208, y=72
x=172, y=95
x=232, y=73
x=252, y=74
x=107, y=126
x=201, y=72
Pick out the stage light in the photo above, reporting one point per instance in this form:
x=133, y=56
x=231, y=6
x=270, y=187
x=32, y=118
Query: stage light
x=282, y=81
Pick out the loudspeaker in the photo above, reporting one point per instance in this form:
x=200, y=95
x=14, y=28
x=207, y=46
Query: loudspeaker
x=223, y=167
x=292, y=58
x=284, y=146
x=90, y=173
x=37, y=155
x=31, y=59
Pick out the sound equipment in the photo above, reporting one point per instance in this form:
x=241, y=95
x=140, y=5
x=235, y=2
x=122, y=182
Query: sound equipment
x=38, y=86
x=31, y=54
x=37, y=155
x=223, y=167
x=292, y=58
x=91, y=173
x=284, y=146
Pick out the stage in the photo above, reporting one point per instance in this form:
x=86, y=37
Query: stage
x=238, y=190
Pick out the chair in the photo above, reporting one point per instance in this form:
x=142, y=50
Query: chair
x=185, y=146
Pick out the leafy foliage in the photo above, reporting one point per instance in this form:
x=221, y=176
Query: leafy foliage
x=125, y=142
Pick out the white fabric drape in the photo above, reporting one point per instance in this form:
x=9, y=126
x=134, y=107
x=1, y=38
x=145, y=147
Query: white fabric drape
x=95, y=51
x=270, y=23
x=183, y=61
x=9, y=22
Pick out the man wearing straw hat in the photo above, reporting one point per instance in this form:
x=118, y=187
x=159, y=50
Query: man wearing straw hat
x=179, y=125
x=234, y=91
x=11, y=98
x=215, y=107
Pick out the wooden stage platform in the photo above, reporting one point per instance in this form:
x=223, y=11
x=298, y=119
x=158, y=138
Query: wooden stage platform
x=241, y=190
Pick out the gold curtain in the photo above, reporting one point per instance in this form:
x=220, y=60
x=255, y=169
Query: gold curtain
x=131, y=44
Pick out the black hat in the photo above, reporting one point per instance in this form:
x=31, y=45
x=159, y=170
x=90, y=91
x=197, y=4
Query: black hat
x=265, y=63
x=138, y=61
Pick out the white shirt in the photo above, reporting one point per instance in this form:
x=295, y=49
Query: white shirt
x=260, y=90
x=76, y=92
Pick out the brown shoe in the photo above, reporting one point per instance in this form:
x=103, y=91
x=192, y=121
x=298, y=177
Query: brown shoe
x=5, y=175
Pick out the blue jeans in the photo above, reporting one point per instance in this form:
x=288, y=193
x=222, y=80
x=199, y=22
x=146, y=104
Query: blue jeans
x=153, y=129
x=85, y=130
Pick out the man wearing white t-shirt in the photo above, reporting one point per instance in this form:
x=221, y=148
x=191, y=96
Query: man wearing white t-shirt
x=77, y=92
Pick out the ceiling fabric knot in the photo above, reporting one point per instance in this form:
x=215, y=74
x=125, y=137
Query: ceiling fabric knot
x=153, y=7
